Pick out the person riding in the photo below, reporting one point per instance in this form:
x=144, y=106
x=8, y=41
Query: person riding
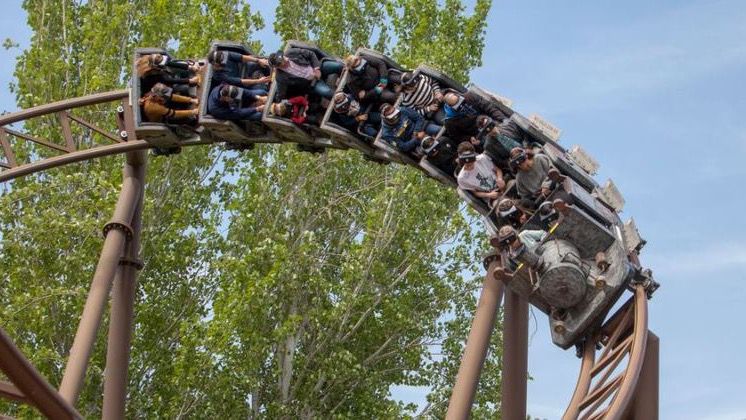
x=369, y=79
x=159, y=105
x=422, y=93
x=403, y=127
x=508, y=213
x=462, y=111
x=295, y=108
x=348, y=114
x=478, y=174
x=227, y=66
x=300, y=71
x=440, y=152
x=531, y=172
x=499, y=139
x=161, y=68
x=228, y=102
x=519, y=246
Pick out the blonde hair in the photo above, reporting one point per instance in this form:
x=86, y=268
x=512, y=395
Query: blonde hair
x=145, y=66
x=350, y=61
x=279, y=109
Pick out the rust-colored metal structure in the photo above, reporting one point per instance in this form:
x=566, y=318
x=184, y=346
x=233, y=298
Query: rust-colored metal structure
x=618, y=375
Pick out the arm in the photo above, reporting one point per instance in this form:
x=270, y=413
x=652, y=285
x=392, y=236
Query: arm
x=383, y=71
x=419, y=120
x=251, y=59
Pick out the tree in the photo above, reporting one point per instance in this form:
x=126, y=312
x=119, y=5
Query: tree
x=277, y=284
x=51, y=222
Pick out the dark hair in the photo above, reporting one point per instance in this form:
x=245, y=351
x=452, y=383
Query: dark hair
x=465, y=147
x=215, y=57
x=276, y=58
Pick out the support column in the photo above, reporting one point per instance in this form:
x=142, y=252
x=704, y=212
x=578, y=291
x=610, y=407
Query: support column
x=122, y=311
x=644, y=404
x=477, y=345
x=117, y=232
x=515, y=357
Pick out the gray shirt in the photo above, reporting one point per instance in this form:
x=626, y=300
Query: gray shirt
x=529, y=182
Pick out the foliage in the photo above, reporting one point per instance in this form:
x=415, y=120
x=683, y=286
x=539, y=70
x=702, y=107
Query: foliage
x=277, y=284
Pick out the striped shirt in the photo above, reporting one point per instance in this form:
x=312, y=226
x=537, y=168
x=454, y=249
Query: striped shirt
x=422, y=95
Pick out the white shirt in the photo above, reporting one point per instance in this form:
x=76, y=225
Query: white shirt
x=481, y=178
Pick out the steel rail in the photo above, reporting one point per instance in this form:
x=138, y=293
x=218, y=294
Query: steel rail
x=38, y=111
x=623, y=337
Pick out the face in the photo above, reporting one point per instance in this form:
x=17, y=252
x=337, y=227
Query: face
x=525, y=165
x=157, y=59
x=469, y=165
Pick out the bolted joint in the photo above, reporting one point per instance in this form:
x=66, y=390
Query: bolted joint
x=120, y=226
x=132, y=262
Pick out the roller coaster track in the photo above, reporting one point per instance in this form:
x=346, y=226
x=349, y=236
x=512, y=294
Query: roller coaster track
x=600, y=393
x=619, y=382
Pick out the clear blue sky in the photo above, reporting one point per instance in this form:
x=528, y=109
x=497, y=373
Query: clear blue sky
x=656, y=93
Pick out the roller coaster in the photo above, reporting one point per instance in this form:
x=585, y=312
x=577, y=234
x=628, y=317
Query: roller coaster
x=585, y=265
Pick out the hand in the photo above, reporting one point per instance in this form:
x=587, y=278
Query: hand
x=419, y=135
x=500, y=183
x=194, y=68
x=262, y=62
x=317, y=74
x=194, y=111
x=362, y=118
x=361, y=95
x=523, y=219
x=264, y=79
x=493, y=195
x=475, y=141
x=545, y=192
x=433, y=107
x=438, y=96
x=195, y=101
x=194, y=81
x=260, y=108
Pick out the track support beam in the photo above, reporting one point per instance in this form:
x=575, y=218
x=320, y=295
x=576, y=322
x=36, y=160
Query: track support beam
x=122, y=309
x=515, y=357
x=477, y=346
x=108, y=264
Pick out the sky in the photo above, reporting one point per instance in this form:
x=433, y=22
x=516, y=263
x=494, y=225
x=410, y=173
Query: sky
x=655, y=92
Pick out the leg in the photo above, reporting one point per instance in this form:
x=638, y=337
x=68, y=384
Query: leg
x=323, y=90
x=407, y=145
x=432, y=129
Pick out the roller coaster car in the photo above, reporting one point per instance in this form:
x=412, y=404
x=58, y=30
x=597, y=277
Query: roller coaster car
x=233, y=132
x=160, y=135
x=425, y=164
x=581, y=267
x=357, y=140
x=310, y=136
